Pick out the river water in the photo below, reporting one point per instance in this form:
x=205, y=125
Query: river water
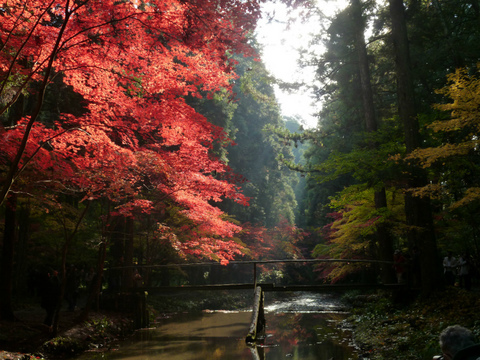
x=305, y=326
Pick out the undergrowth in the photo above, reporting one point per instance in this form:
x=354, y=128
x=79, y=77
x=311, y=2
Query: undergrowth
x=386, y=329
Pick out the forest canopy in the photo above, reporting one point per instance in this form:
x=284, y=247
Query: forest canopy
x=136, y=134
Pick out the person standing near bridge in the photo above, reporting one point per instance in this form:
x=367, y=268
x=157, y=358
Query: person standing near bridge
x=464, y=263
x=449, y=266
x=399, y=263
x=49, y=290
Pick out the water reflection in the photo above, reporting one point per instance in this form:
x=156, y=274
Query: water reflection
x=298, y=329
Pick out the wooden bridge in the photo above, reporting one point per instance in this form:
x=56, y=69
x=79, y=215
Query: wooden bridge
x=257, y=326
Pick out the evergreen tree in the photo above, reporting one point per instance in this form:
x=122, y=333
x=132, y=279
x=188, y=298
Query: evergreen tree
x=268, y=183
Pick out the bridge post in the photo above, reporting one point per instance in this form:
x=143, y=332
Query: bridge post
x=140, y=309
x=257, y=326
x=254, y=276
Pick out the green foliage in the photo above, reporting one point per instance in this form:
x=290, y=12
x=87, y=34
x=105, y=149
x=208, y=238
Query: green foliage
x=268, y=183
x=63, y=346
x=346, y=166
x=54, y=221
x=100, y=329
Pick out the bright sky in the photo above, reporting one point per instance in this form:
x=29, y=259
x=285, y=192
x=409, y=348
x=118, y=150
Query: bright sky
x=280, y=55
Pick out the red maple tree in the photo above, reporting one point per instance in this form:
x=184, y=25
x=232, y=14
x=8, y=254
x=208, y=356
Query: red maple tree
x=137, y=142
x=133, y=62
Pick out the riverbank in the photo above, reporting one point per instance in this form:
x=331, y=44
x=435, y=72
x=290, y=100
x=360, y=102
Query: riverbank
x=27, y=338
x=383, y=327
x=388, y=329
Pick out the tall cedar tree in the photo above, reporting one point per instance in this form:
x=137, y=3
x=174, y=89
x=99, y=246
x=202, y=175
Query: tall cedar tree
x=384, y=239
x=417, y=209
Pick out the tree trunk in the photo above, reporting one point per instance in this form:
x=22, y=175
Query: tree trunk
x=128, y=277
x=66, y=246
x=385, y=247
x=94, y=293
x=21, y=258
x=8, y=251
x=476, y=7
x=418, y=210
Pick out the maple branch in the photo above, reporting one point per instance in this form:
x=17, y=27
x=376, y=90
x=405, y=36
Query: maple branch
x=23, y=86
x=41, y=146
x=15, y=58
x=13, y=28
x=98, y=26
x=28, y=36
x=68, y=190
x=61, y=47
x=9, y=180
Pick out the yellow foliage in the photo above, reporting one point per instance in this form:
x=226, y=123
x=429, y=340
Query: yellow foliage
x=352, y=233
x=433, y=191
x=472, y=194
x=464, y=90
x=431, y=155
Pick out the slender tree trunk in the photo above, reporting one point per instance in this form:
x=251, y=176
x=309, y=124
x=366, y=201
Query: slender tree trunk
x=96, y=288
x=361, y=50
x=405, y=93
x=384, y=239
x=14, y=167
x=66, y=246
x=21, y=248
x=96, y=282
x=8, y=251
x=418, y=210
x=128, y=279
x=9, y=235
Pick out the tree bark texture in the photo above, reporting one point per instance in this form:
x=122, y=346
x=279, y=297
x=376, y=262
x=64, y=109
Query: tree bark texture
x=418, y=210
x=385, y=247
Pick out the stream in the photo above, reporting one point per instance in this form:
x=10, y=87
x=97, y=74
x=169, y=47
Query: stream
x=304, y=326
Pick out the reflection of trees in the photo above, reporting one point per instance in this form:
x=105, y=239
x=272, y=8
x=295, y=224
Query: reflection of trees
x=258, y=353
x=290, y=330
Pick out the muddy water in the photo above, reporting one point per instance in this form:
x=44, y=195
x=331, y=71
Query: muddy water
x=303, y=327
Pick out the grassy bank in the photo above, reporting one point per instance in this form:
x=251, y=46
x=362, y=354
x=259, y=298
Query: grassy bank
x=386, y=328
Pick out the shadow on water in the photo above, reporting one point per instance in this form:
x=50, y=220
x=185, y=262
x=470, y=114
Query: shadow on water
x=304, y=326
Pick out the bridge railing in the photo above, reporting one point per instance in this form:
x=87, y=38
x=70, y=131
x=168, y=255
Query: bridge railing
x=238, y=274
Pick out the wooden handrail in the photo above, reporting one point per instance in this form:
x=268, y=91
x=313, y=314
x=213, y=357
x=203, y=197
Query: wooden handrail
x=257, y=262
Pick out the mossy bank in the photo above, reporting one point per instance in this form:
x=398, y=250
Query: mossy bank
x=386, y=328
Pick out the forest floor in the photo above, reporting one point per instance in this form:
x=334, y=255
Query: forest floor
x=407, y=327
